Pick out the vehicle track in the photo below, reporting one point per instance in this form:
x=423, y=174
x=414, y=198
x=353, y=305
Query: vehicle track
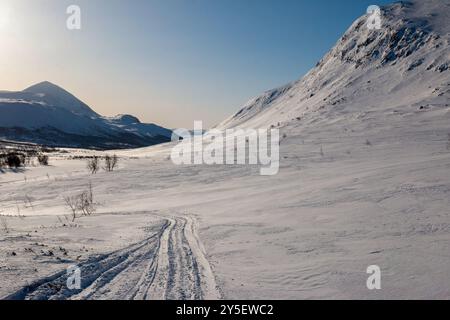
x=169, y=264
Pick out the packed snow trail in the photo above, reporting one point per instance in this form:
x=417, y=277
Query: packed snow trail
x=169, y=264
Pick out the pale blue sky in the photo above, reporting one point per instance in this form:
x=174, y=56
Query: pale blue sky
x=169, y=61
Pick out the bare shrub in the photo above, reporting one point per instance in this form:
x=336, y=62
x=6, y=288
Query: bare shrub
x=15, y=155
x=93, y=165
x=15, y=160
x=43, y=159
x=110, y=163
x=72, y=204
x=4, y=224
x=86, y=202
x=82, y=204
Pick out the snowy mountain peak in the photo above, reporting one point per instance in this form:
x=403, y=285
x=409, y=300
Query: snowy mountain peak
x=58, y=97
x=47, y=114
x=44, y=86
x=406, y=27
x=365, y=65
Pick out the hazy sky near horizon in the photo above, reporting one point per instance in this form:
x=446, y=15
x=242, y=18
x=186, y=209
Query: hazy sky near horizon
x=169, y=61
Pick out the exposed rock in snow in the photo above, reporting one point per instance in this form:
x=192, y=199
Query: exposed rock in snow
x=363, y=67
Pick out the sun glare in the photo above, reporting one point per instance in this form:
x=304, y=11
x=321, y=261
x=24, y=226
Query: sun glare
x=5, y=16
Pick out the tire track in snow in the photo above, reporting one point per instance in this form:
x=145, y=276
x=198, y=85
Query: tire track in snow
x=169, y=264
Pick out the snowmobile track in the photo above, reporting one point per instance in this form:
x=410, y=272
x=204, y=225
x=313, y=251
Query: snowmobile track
x=169, y=264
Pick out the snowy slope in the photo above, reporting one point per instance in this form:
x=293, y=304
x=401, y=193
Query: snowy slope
x=48, y=114
x=406, y=62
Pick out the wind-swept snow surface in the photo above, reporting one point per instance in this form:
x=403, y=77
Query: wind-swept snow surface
x=364, y=180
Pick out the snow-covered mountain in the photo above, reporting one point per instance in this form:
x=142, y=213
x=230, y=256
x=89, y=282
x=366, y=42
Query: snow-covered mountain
x=47, y=114
x=364, y=181
x=403, y=66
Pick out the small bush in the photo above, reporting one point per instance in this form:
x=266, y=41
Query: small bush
x=93, y=165
x=15, y=160
x=86, y=202
x=72, y=204
x=22, y=156
x=110, y=163
x=43, y=159
x=82, y=204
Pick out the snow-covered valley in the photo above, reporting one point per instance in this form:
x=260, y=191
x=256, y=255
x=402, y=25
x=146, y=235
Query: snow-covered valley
x=364, y=180
x=308, y=232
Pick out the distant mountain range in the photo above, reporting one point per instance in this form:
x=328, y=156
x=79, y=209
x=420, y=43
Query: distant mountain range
x=47, y=114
